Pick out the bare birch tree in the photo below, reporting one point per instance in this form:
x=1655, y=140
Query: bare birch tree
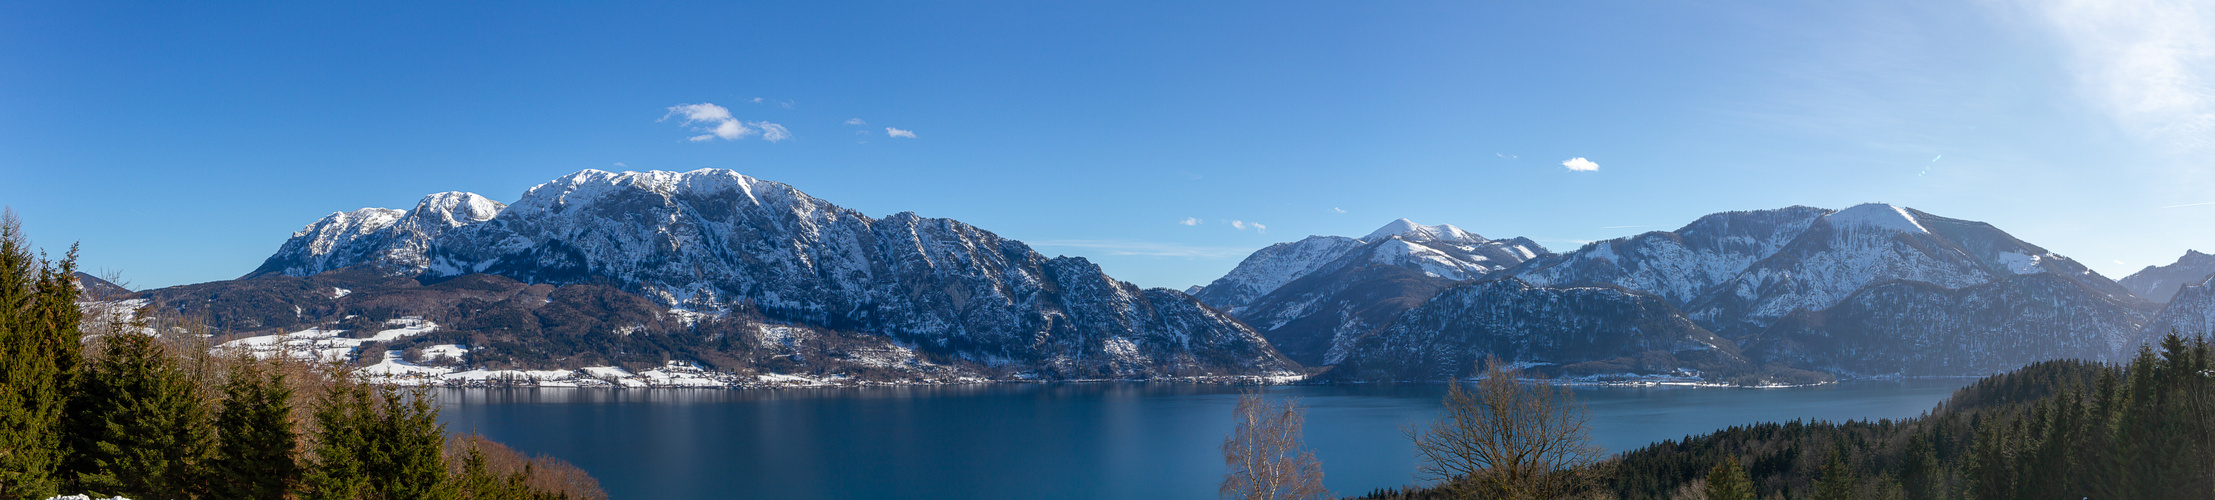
x=1509, y=439
x=1264, y=453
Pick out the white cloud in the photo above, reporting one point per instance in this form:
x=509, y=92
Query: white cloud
x=855, y=121
x=717, y=123
x=1337, y=210
x=2149, y=64
x=1580, y=164
x=731, y=130
x=756, y=100
x=702, y=112
x=893, y=132
x=1256, y=226
x=621, y=165
x=773, y=132
x=1190, y=221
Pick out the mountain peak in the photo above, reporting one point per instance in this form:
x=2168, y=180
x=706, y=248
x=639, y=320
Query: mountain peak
x=1410, y=230
x=456, y=208
x=588, y=185
x=1882, y=216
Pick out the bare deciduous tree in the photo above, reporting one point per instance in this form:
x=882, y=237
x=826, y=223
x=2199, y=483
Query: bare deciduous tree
x=1508, y=439
x=1264, y=453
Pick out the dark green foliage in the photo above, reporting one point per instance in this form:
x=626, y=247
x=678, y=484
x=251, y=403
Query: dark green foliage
x=379, y=443
x=1728, y=481
x=39, y=358
x=414, y=449
x=144, y=430
x=258, y=456
x=345, y=417
x=137, y=419
x=2057, y=429
x=1921, y=476
x=1838, y=482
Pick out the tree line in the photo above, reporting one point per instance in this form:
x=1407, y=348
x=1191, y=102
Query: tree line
x=142, y=409
x=2144, y=429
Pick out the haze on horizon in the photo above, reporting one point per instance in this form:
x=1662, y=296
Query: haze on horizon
x=184, y=143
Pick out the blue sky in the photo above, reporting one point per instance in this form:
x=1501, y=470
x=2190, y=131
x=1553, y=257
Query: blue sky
x=184, y=143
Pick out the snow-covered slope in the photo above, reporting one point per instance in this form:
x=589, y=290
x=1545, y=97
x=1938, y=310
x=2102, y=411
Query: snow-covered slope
x=2159, y=283
x=1919, y=328
x=1843, y=252
x=2191, y=312
x=393, y=239
x=1442, y=251
x=714, y=240
x=1528, y=324
x=1925, y=284
x=1272, y=267
x=1678, y=266
x=1312, y=298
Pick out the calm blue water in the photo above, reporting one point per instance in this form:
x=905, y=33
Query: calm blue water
x=1048, y=440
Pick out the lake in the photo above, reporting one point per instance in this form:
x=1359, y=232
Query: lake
x=1076, y=440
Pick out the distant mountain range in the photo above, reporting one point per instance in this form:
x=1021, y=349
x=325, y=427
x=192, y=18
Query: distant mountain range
x=1752, y=297
x=715, y=244
x=1314, y=297
x=759, y=281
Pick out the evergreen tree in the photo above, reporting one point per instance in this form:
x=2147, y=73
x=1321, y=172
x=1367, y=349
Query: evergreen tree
x=476, y=483
x=375, y=442
x=2050, y=466
x=1838, y=482
x=2100, y=468
x=147, y=434
x=258, y=454
x=344, y=421
x=39, y=344
x=1728, y=481
x=1921, y=477
x=2139, y=443
x=413, y=449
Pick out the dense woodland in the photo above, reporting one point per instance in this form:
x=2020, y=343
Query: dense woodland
x=141, y=409
x=2055, y=429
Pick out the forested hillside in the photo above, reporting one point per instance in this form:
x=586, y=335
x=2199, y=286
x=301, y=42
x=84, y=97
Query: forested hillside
x=2055, y=429
x=126, y=405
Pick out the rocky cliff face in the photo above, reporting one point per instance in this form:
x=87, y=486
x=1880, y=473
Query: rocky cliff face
x=395, y=240
x=2159, y=283
x=715, y=241
x=1528, y=324
x=1919, y=328
x=1872, y=289
x=2191, y=312
x=1315, y=297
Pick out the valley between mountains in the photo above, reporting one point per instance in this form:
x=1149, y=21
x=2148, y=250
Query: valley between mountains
x=712, y=278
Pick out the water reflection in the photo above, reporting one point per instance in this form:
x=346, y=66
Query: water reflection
x=1104, y=440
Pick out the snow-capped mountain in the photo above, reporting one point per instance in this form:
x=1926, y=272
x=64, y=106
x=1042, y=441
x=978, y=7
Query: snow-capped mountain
x=1842, y=252
x=2159, y=283
x=1442, y=250
x=1679, y=266
x=1920, y=328
x=1874, y=288
x=1314, y=297
x=2190, y=312
x=1528, y=324
x=393, y=239
x=714, y=240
